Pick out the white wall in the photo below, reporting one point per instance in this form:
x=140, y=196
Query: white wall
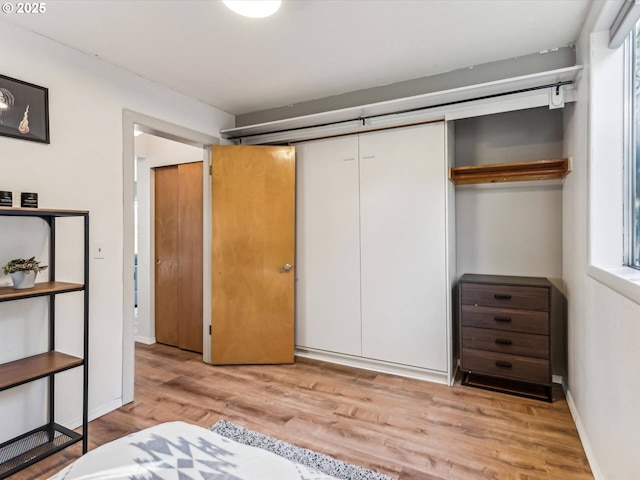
x=518, y=136
x=152, y=152
x=80, y=169
x=604, y=326
x=510, y=228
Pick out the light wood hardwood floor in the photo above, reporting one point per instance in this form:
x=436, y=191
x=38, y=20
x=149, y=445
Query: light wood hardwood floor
x=407, y=429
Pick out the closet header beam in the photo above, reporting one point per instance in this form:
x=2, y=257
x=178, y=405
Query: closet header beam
x=432, y=106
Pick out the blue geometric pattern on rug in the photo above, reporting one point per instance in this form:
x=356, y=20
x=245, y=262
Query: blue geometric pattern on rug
x=323, y=463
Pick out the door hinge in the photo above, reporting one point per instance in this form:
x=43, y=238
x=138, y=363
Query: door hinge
x=210, y=169
x=209, y=329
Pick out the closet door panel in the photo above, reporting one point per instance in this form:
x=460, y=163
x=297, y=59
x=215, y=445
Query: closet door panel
x=328, y=246
x=190, y=266
x=166, y=252
x=402, y=187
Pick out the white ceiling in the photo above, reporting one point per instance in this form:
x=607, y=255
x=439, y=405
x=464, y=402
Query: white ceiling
x=310, y=49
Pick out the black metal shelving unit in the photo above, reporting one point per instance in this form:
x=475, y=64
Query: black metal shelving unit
x=31, y=447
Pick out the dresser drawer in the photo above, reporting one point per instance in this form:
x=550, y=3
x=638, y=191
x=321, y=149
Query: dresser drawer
x=505, y=296
x=514, y=343
x=526, y=321
x=534, y=370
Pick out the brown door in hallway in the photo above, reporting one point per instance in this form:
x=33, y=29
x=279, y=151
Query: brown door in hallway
x=253, y=227
x=178, y=253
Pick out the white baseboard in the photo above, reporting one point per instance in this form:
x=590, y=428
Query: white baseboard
x=94, y=413
x=582, y=433
x=145, y=340
x=374, y=365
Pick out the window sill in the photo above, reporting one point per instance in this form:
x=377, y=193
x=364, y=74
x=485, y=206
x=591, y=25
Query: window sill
x=624, y=280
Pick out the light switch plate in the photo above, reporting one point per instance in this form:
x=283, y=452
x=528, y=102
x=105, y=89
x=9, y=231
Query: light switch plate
x=98, y=249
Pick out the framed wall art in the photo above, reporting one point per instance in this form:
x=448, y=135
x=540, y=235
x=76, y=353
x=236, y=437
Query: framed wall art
x=24, y=110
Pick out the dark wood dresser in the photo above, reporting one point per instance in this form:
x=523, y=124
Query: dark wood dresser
x=505, y=340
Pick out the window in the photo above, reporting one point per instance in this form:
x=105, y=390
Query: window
x=633, y=176
x=613, y=119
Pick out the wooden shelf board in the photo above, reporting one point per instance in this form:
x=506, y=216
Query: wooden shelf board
x=41, y=212
x=39, y=289
x=510, y=172
x=38, y=366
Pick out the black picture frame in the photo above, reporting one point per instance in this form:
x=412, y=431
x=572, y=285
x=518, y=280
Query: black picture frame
x=27, y=113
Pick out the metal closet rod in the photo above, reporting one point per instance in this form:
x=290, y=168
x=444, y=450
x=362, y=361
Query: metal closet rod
x=411, y=110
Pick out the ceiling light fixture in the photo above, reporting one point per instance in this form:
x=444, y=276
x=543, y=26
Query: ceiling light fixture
x=3, y=105
x=253, y=8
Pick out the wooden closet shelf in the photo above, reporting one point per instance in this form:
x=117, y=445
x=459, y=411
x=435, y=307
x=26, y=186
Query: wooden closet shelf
x=39, y=290
x=35, y=367
x=510, y=172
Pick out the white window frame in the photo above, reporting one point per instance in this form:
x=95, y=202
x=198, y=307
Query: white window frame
x=631, y=239
x=606, y=187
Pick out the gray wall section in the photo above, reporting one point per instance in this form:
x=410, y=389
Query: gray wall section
x=518, y=136
x=513, y=67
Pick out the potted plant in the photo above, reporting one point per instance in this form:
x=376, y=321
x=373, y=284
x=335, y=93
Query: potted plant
x=23, y=272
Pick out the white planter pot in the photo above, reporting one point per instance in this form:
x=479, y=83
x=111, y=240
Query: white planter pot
x=23, y=280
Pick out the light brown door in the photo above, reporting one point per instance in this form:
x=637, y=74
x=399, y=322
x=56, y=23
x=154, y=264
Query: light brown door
x=190, y=265
x=253, y=227
x=178, y=245
x=166, y=253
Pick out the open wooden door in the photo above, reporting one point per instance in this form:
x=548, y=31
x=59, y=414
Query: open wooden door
x=253, y=230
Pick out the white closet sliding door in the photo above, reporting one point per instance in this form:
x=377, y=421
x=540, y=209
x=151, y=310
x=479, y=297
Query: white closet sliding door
x=328, y=246
x=403, y=246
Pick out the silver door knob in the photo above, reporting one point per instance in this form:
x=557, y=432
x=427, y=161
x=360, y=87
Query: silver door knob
x=286, y=267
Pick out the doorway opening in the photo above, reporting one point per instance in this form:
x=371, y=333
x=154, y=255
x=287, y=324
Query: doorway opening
x=168, y=242
x=178, y=137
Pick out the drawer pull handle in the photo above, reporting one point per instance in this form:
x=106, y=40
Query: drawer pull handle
x=502, y=364
x=503, y=341
x=502, y=319
x=502, y=296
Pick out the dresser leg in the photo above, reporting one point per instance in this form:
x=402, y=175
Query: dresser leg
x=549, y=391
